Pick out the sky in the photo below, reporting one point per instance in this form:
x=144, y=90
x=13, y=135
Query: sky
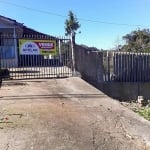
x=103, y=22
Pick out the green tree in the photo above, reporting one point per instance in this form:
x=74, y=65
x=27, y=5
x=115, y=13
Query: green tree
x=71, y=25
x=137, y=41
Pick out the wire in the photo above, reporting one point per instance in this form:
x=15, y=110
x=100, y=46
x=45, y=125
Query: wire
x=82, y=19
x=32, y=9
x=111, y=23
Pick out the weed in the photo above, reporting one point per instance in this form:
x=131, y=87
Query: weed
x=145, y=112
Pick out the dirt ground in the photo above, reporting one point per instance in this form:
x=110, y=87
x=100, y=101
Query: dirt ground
x=66, y=114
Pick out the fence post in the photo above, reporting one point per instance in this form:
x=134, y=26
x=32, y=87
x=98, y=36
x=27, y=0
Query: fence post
x=108, y=66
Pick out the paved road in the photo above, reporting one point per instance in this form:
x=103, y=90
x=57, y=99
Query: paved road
x=66, y=114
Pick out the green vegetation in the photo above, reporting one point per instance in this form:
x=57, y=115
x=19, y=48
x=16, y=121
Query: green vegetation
x=71, y=25
x=137, y=41
x=145, y=112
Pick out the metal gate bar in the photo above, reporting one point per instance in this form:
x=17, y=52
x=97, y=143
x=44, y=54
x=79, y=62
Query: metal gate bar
x=27, y=66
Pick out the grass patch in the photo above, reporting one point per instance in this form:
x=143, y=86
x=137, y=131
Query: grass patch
x=145, y=112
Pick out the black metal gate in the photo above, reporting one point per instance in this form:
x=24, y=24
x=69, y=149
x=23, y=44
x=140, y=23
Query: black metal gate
x=23, y=60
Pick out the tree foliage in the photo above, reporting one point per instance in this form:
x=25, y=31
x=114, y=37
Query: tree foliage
x=137, y=41
x=71, y=24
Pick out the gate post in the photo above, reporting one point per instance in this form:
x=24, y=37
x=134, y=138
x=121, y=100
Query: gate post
x=59, y=47
x=72, y=53
x=15, y=46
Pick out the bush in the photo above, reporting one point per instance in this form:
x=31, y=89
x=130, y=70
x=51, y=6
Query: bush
x=145, y=112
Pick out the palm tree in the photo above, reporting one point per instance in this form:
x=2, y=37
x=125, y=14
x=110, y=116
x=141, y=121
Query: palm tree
x=71, y=25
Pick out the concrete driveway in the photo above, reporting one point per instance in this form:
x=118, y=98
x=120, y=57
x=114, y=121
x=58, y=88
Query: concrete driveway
x=66, y=114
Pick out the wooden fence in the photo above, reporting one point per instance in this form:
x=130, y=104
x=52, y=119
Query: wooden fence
x=127, y=67
x=98, y=66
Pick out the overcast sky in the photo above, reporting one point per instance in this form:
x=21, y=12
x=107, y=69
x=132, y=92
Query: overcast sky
x=103, y=22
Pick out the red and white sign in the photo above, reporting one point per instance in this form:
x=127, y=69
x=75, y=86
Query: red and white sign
x=37, y=47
